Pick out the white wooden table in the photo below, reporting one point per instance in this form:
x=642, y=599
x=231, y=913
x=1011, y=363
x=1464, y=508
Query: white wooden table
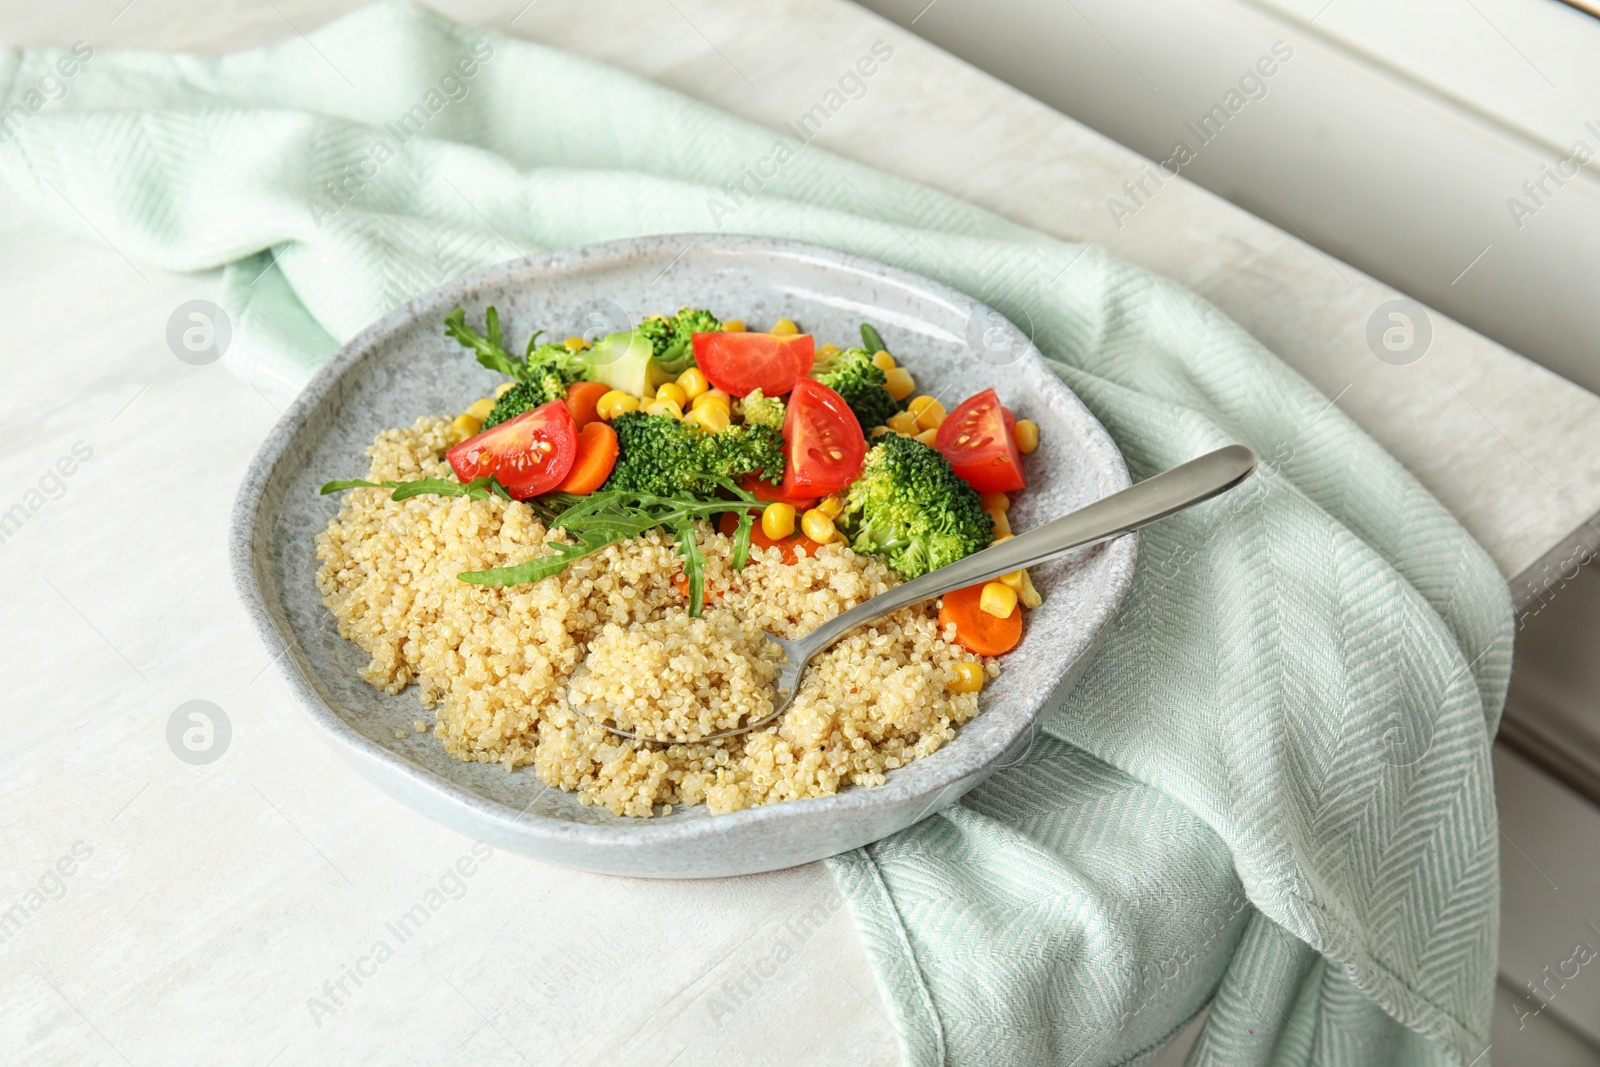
x=223, y=913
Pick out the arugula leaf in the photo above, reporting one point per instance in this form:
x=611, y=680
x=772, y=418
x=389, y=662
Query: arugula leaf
x=870, y=339
x=608, y=516
x=490, y=349
x=477, y=489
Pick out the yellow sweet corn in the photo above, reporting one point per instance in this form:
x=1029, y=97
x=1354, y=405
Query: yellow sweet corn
x=712, y=396
x=468, y=425
x=966, y=678
x=693, y=382
x=575, y=344
x=673, y=392
x=928, y=412
x=784, y=327
x=615, y=403
x=827, y=350
x=831, y=505
x=899, y=383
x=1002, y=524
x=817, y=526
x=1027, y=435
x=998, y=599
x=995, y=501
x=777, y=520
x=903, y=422
x=733, y=326
x=503, y=388
x=663, y=406
x=883, y=361
x=713, y=417
x=927, y=437
x=479, y=409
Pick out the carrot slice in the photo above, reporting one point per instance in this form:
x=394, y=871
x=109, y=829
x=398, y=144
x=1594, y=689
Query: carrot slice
x=729, y=525
x=976, y=630
x=582, y=398
x=597, y=454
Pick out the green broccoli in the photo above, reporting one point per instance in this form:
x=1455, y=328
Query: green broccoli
x=854, y=377
x=663, y=456
x=672, y=340
x=762, y=410
x=909, y=507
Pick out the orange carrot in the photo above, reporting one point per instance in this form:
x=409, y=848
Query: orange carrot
x=597, y=454
x=976, y=630
x=729, y=525
x=582, y=398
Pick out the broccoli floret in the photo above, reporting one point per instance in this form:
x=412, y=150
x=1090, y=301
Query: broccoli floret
x=909, y=507
x=544, y=376
x=762, y=410
x=854, y=377
x=672, y=340
x=664, y=456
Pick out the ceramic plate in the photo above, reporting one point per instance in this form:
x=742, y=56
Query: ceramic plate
x=404, y=366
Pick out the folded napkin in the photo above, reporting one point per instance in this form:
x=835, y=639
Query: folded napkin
x=1271, y=790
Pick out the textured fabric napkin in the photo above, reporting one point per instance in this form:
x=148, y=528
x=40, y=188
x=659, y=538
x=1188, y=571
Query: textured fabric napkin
x=1271, y=790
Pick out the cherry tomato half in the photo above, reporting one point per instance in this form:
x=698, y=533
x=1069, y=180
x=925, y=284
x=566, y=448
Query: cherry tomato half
x=822, y=441
x=978, y=441
x=529, y=454
x=739, y=363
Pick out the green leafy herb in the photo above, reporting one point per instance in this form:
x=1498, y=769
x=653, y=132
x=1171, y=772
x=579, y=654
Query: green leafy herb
x=489, y=345
x=477, y=489
x=608, y=516
x=871, y=341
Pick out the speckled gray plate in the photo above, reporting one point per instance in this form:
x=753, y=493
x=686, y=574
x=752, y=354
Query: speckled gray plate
x=404, y=366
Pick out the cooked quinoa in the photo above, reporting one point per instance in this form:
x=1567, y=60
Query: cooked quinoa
x=493, y=661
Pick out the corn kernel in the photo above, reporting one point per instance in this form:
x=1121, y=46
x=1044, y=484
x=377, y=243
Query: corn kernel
x=713, y=417
x=929, y=412
x=693, y=382
x=827, y=350
x=995, y=501
x=673, y=392
x=1002, y=524
x=879, y=431
x=467, y=424
x=927, y=437
x=903, y=422
x=1002, y=537
x=712, y=396
x=777, y=520
x=479, y=409
x=899, y=383
x=883, y=361
x=998, y=600
x=503, y=388
x=575, y=344
x=663, y=406
x=831, y=505
x=1014, y=579
x=1027, y=435
x=817, y=526
x=784, y=327
x=614, y=403
x=966, y=678
x=733, y=326
x=1028, y=594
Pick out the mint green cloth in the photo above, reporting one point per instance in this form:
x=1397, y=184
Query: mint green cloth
x=1270, y=792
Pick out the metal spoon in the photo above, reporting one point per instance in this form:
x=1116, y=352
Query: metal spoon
x=1154, y=498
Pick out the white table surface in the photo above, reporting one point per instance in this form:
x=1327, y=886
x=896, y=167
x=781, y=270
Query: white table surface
x=208, y=906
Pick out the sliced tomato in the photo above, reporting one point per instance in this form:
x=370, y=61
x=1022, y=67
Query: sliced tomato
x=822, y=441
x=980, y=445
x=729, y=525
x=529, y=454
x=740, y=363
x=761, y=490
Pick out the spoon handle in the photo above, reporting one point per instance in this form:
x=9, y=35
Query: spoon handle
x=1154, y=498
